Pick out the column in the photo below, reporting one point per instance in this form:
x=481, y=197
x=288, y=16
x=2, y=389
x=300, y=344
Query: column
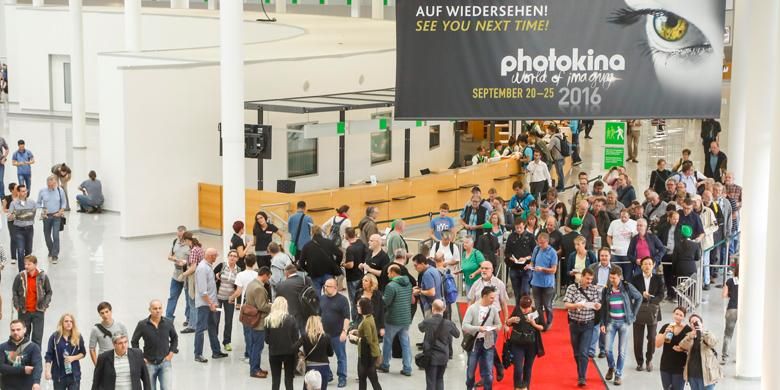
x=181, y=4
x=77, y=76
x=377, y=9
x=231, y=73
x=354, y=9
x=213, y=4
x=762, y=87
x=736, y=128
x=37, y=3
x=281, y=6
x=133, y=25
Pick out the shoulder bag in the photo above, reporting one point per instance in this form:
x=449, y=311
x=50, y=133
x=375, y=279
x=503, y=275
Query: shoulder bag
x=522, y=336
x=469, y=339
x=423, y=359
x=596, y=313
x=293, y=248
x=300, y=364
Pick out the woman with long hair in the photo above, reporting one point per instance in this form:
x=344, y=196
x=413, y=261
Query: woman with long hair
x=560, y=213
x=673, y=357
x=317, y=349
x=226, y=274
x=525, y=340
x=371, y=292
x=237, y=244
x=498, y=228
x=264, y=231
x=65, y=349
x=196, y=256
x=284, y=341
x=532, y=225
x=368, y=346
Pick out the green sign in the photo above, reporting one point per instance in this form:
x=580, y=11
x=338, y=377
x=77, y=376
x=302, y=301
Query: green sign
x=613, y=157
x=615, y=133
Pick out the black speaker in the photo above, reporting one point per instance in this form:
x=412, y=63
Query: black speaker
x=425, y=171
x=257, y=141
x=285, y=186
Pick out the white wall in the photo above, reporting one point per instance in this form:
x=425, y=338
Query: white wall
x=46, y=31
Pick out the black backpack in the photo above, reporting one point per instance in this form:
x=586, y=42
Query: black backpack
x=335, y=232
x=309, y=299
x=565, y=146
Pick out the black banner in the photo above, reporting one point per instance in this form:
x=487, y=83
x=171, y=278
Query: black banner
x=535, y=59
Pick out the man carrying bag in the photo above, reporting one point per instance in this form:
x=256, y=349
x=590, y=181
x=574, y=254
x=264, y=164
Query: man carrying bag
x=437, y=342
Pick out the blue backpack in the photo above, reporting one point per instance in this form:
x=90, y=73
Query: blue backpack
x=450, y=288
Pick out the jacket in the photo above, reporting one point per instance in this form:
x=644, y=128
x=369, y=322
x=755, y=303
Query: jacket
x=626, y=195
x=291, y=289
x=655, y=214
x=710, y=225
x=284, y=340
x=12, y=376
x=472, y=322
x=482, y=216
x=657, y=248
x=658, y=180
x=518, y=245
x=657, y=291
x=590, y=259
x=395, y=241
x=54, y=357
x=104, y=377
x=321, y=257
x=662, y=232
x=715, y=172
x=725, y=208
x=437, y=341
x=43, y=286
x=632, y=299
x=368, y=333
x=379, y=308
x=398, y=299
x=685, y=256
x=367, y=228
x=709, y=358
x=257, y=296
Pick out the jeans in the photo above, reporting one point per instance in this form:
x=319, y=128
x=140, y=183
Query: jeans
x=51, y=232
x=161, y=373
x=728, y=333
x=639, y=340
x=340, y=350
x=625, y=265
x=581, y=334
x=24, y=241
x=255, y=347
x=599, y=340
x=173, y=298
x=207, y=321
x=67, y=383
x=524, y=356
x=387, y=345
x=485, y=359
x=705, y=270
x=34, y=323
x=575, y=147
x=521, y=283
x=324, y=371
x=619, y=329
x=277, y=361
x=25, y=179
x=192, y=317
x=12, y=238
x=543, y=297
x=559, y=170
x=671, y=381
x=85, y=203
x=318, y=282
x=352, y=288
x=228, y=309
x=434, y=377
x=698, y=384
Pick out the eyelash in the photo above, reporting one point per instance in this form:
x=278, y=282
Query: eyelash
x=628, y=16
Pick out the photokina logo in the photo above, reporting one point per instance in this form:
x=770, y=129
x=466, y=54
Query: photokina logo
x=553, y=62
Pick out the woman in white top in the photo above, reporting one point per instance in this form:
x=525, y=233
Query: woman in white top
x=341, y=222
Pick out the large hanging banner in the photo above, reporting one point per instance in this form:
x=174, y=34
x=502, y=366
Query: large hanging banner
x=537, y=59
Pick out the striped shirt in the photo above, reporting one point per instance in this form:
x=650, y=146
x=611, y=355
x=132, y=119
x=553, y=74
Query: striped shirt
x=122, y=369
x=617, y=310
x=227, y=282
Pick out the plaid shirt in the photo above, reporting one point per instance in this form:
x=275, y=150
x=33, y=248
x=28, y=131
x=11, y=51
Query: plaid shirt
x=734, y=193
x=574, y=295
x=196, y=255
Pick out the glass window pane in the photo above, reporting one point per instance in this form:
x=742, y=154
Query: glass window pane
x=381, y=147
x=301, y=155
x=66, y=77
x=434, y=136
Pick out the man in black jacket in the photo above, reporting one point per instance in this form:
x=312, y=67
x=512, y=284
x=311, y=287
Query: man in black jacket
x=715, y=163
x=292, y=289
x=517, y=256
x=652, y=288
x=437, y=343
x=123, y=365
x=20, y=360
x=321, y=259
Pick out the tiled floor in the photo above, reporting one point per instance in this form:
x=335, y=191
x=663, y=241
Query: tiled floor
x=97, y=265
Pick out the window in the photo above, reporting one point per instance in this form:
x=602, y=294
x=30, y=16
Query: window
x=434, y=136
x=66, y=80
x=301, y=155
x=381, y=146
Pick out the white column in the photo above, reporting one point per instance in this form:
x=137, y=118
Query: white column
x=736, y=128
x=761, y=103
x=377, y=9
x=281, y=6
x=37, y=3
x=180, y=3
x=354, y=10
x=231, y=72
x=133, y=25
x=77, y=76
x=213, y=4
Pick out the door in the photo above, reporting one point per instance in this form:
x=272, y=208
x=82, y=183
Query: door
x=59, y=82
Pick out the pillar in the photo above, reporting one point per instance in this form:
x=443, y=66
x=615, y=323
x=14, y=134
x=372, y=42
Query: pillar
x=354, y=9
x=133, y=25
x=180, y=4
x=77, y=76
x=281, y=6
x=37, y=3
x=213, y=4
x=231, y=72
x=763, y=37
x=736, y=127
x=377, y=9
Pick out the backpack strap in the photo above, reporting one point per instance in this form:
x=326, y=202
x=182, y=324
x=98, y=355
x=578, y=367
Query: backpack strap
x=103, y=330
x=298, y=231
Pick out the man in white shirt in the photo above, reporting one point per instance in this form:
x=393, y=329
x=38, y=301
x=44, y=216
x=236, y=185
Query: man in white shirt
x=449, y=250
x=619, y=238
x=243, y=279
x=538, y=176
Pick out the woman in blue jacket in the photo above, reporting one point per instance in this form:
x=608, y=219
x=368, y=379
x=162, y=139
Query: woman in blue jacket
x=650, y=245
x=66, y=348
x=578, y=260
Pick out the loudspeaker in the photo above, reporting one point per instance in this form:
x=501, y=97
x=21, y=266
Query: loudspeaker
x=285, y=186
x=425, y=171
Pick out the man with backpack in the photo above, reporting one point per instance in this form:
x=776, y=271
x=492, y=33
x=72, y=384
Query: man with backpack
x=100, y=337
x=559, y=150
x=20, y=360
x=430, y=287
x=321, y=259
x=437, y=344
x=300, y=295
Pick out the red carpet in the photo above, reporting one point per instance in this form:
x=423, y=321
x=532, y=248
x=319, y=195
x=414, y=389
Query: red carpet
x=556, y=369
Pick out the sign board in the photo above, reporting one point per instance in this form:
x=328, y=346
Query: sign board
x=613, y=157
x=615, y=133
x=543, y=59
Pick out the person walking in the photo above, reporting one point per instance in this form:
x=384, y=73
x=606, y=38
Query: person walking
x=160, y=344
x=334, y=308
x=279, y=261
x=525, y=341
x=65, y=349
x=398, y=300
x=634, y=129
x=582, y=303
x=62, y=174
x=237, y=244
x=7, y=200
x=673, y=357
x=702, y=371
x=32, y=296
x=188, y=276
x=472, y=258
x=178, y=255
x=481, y=321
x=257, y=297
x=429, y=288
x=100, y=337
x=22, y=213
x=356, y=254
x=335, y=227
x=317, y=347
x=21, y=365
x=651, y=286
x=367, y=225
x=730, y=291
x=437, y=343
x=51, y=200
x=299, y=225
x=226, y=287
x=284, y=341
x=121, y=368
x=517, y=256
x=206, y=305
x=365, y=336
x=545, y=264
x=291, y=289
x=623, y=301
x=22, y=159
x=619, y=236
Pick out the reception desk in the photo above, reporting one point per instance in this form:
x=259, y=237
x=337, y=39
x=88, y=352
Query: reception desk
x=411, y=199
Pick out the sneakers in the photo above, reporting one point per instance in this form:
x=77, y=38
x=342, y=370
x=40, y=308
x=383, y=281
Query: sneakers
x=54, y=260
x=228, y=347
x=602, y=355
x=13, y=261
x=219, y=355
x=649, y=367
x=342, y=382
x=640, y=368
x=245, y=360
x=384, y=369
x=201, y=359
x=610, y=374
x=406, y=373
x=187, y=330
x=581, y=382
x=617, y=381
